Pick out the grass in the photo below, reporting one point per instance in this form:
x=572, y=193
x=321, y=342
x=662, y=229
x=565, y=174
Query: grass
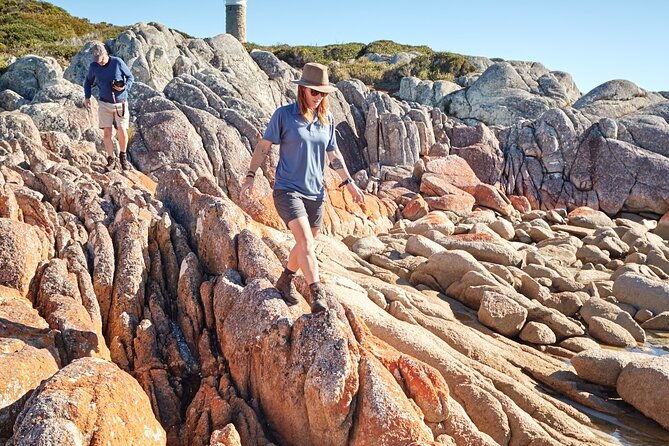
x=348, y=60
x=35, y=27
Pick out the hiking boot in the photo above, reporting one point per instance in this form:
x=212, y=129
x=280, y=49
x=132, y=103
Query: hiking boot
x=319, y=301
x=111, y=164
x=125, y=164
x=287, y=288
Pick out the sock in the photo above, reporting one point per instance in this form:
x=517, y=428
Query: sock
x=288, y=272
x=314, y=286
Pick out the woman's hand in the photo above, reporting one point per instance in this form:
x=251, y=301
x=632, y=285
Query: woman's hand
x=247, y=186
x=356, y=193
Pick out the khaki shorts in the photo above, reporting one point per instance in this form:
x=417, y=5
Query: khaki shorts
x=109, y=113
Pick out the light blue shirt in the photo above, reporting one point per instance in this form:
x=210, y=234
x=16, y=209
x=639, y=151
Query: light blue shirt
x=302, y=150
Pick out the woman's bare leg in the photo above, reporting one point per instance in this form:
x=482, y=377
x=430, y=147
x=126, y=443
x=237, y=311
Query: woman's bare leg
x=302, y=256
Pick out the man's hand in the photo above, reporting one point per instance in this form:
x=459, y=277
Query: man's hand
x=87, y=103
x=356, y=193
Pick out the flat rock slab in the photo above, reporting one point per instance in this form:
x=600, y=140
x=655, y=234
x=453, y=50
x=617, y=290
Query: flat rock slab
x=574, y=230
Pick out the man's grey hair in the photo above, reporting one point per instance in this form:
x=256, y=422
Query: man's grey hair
x=97, y=50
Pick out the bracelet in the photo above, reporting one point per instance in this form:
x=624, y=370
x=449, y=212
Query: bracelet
x=250, y=174
x=345, y=182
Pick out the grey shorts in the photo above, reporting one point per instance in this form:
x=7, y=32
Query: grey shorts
x=292, y=205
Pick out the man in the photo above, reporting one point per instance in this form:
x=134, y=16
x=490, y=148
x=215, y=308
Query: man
x=113, y=79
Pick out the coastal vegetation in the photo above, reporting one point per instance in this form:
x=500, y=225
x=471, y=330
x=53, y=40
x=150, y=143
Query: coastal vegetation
x=372, y=63
x=34, y=27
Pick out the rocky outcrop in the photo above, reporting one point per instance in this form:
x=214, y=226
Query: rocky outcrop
x=28, y=355
x=509, y=91
x=615, y=99
x=158, y=282
x=70, y=407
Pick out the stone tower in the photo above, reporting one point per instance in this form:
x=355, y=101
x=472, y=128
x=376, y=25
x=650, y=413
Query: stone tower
x=235, y=19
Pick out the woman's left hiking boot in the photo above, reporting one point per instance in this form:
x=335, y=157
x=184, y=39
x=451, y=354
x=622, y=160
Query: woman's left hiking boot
x=319, y=300
x=287, y=288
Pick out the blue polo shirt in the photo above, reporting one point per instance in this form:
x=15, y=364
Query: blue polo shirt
x=302, y=150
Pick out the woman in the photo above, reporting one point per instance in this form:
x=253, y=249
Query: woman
x=305, y=132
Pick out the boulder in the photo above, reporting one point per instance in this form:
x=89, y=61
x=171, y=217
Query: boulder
x=228, y=436
x=601, y=366
x=579, y=344
x=28, y=355
x=615, y=99
x=482, y=246
x=455, y=170
x=435, y=221
x=502, y=314
x=444, y=268
x=588, y=218
x=21, y=250
x=601, y=308
x=537, y=333
x=503, y=228
x=70, y=405
x=419, y=245
x=28, y=75
x=592, y=254
x=658, y=323
x=610, y=333
x=366, y=246
x=642, y=292
x=635, y=381
x=416, y=208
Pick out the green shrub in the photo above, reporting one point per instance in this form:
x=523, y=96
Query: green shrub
x=343, y=52
x=371, y=73
x=436, y=66
x=29, y=26
x=389, y=47
x=346, y=61
x=297, y=56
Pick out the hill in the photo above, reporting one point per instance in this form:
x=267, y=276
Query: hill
x=29, y=26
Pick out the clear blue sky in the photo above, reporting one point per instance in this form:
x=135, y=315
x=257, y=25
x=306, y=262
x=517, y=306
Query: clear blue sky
x=593, y=40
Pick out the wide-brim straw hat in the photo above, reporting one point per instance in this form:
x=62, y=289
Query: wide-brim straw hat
x=315, y=76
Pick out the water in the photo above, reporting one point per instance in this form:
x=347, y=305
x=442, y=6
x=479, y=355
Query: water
x=634, y=429
x=657, y=342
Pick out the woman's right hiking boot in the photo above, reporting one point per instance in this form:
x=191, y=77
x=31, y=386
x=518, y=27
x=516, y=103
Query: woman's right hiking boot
x=287, y=288
x=319, y=300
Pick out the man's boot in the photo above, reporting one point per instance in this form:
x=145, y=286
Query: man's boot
x=287, y=288
x=319, y=301
x=125, y=164
x=111, y=163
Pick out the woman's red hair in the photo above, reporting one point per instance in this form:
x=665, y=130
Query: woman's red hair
x=306, y=112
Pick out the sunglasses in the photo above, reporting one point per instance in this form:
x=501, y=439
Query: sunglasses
x=316, y=92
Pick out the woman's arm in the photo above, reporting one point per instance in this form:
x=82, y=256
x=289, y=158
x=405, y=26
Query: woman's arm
x=337, y=163
x=259, y=154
